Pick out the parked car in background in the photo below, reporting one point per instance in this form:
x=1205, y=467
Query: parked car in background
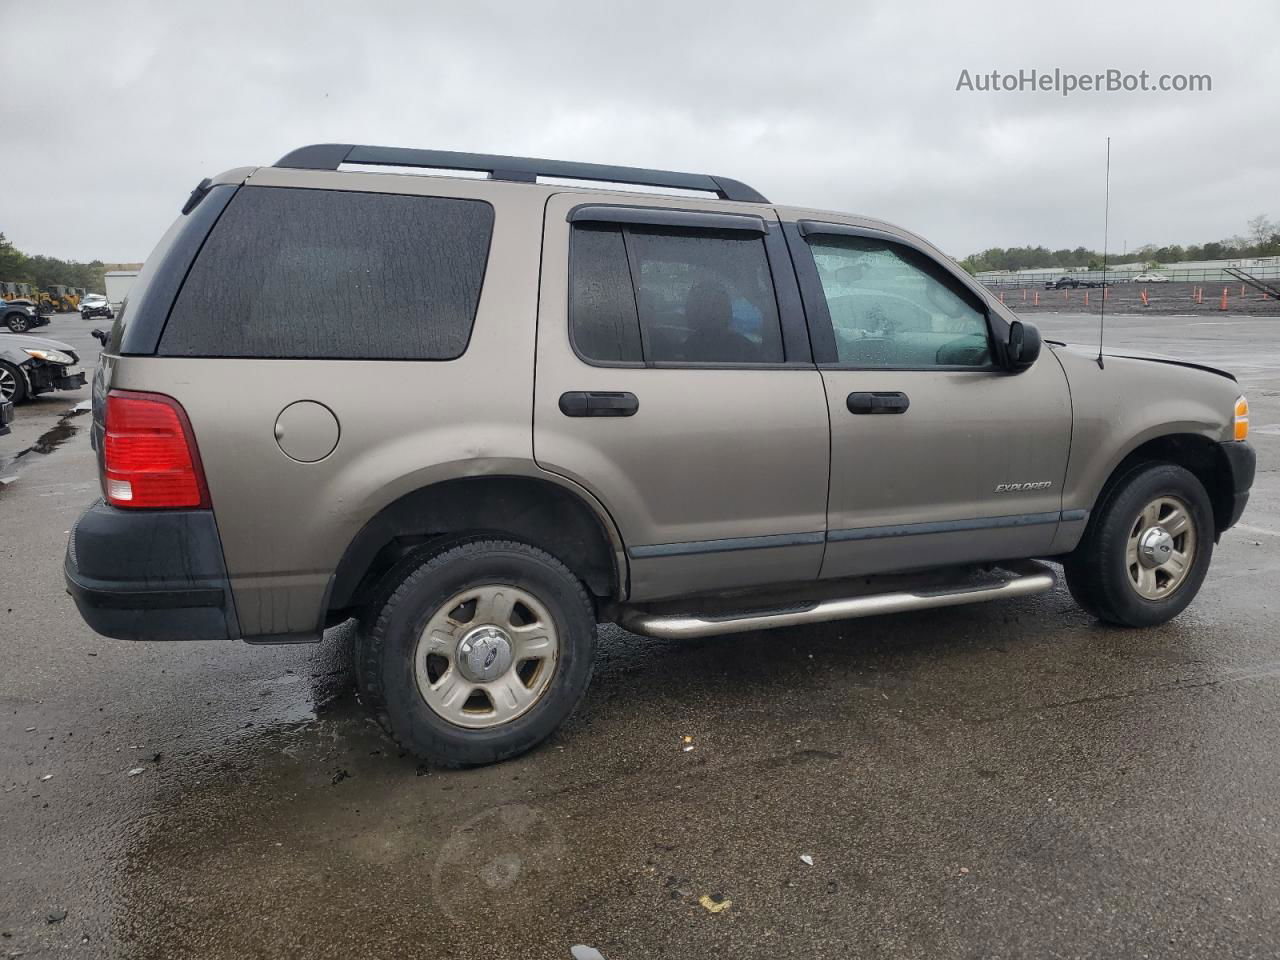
x=744, y=416
x=21, y=315
x=34, y=365
x=1150, y=278
x=1065, y=282
x=95, y=305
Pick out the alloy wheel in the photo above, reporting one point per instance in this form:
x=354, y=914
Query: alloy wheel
x=1161, y=549
x=487, y=656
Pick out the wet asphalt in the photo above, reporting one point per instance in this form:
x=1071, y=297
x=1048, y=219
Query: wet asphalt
x=999, y=780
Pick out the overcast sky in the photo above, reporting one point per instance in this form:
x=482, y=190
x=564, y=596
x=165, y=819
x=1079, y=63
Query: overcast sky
x=112, y=111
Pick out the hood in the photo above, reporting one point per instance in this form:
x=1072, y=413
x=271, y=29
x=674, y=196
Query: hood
x=21, y=341
x=1125, y=354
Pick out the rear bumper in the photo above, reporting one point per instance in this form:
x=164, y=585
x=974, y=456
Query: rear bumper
x=1243, y=463
x=150, y=574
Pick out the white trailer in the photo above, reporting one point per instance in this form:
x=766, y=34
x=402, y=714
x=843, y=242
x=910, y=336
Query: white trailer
x=118, y=284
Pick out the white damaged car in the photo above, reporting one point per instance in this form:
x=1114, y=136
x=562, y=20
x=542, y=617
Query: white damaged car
x=34, y=365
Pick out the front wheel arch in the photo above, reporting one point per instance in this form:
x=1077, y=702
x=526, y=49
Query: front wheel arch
x=1199, y=455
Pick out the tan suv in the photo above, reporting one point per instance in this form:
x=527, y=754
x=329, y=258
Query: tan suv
x=482, y=415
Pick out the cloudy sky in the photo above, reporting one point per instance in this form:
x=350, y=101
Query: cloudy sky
x=114, y=110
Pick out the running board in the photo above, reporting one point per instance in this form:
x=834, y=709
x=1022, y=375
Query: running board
x=1025, y=577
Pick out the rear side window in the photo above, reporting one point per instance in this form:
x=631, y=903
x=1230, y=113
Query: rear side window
x=296, y=273
x=669, y=295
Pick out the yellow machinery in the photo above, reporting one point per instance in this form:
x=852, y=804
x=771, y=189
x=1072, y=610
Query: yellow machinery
x=55, y=298
x=62, y=299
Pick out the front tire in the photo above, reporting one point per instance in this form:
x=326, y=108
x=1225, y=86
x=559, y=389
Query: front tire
x=18, y=323
x=476, y=653
x=1147, y=549
x=13, y=386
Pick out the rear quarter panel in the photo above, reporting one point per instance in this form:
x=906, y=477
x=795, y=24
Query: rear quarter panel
x=404, y=425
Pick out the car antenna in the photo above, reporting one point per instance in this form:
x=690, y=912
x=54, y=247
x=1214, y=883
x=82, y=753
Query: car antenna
x=1106, y=223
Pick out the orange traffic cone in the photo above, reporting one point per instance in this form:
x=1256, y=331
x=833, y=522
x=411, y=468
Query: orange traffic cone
x=1035, y=299
x=1086, y=298
x=1002, y=296
x=1145, y=301
x=1024, y=294
x=1106, y=293
x=1223, y=304
x=1242, y=289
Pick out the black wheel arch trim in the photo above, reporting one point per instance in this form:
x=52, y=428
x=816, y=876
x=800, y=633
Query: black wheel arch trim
x=404, y=521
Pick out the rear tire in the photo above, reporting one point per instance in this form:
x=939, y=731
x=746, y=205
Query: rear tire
x=439, y=626
x=1147, y=548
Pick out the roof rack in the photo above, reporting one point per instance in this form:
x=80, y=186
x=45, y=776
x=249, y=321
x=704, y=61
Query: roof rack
x=328, y=156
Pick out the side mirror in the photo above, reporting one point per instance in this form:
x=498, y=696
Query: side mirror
x=102, y=336
x=1023, y=346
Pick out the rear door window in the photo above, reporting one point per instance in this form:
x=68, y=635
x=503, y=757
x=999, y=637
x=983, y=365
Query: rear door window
x=669, y=295
x=298, y=273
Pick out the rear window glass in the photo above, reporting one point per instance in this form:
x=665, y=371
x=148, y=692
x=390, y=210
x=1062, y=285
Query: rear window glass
x=672, y=296
x=296, y=273
x=603, y=303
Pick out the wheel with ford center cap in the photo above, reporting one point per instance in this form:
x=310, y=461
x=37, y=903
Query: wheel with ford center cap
x=1147, y=549
x=477, y=652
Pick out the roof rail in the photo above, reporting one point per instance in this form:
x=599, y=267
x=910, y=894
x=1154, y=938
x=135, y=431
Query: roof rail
x=328, y=156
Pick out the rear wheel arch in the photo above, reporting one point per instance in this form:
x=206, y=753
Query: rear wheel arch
x=540, y=512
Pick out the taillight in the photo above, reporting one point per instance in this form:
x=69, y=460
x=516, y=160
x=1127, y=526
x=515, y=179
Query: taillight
x=149, y=455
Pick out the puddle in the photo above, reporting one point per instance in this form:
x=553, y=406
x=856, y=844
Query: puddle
x=55, y=436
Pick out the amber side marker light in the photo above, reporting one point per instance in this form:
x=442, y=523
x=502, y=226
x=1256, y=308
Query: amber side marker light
x=1242, y=419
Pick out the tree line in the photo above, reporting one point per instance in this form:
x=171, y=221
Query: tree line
x=1262, y=240
x=42, y=272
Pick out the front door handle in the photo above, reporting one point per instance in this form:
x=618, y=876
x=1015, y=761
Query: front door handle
x=894, y=402
x=584, y=403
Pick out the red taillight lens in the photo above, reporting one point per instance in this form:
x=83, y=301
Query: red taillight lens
x=149, y=454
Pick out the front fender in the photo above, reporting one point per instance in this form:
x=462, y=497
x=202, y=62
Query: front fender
x=1128, y=403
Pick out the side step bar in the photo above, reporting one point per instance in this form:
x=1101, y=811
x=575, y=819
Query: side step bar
x=1025, y=577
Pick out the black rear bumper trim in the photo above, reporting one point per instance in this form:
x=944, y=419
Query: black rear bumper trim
x=150, y=575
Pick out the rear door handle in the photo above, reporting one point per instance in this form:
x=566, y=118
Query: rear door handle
x=582, y=403
x=892, y=402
